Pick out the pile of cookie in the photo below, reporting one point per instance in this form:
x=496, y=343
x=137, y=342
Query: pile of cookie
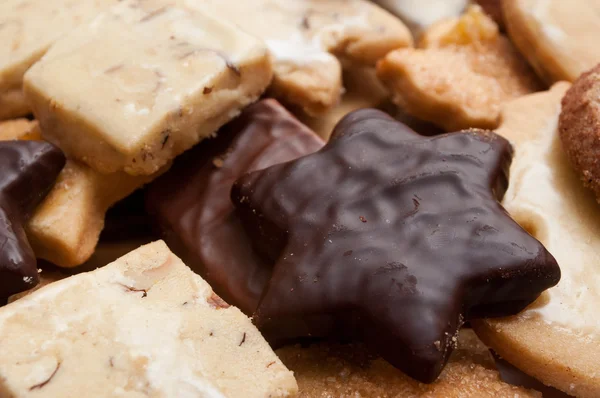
x=315, y=198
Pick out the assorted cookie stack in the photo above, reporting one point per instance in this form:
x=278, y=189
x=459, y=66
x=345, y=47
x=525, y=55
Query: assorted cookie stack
x=313, y=198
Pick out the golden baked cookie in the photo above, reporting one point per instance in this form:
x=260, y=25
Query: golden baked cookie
x=557, y=338
x=325, y=370
x=558, y=37
x=309, y=38
x=580, y=128
x=19, y=129
x=460, y=76
x=66, y=226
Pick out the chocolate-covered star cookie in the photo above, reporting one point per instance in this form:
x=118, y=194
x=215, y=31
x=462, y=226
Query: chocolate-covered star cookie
x=392, y=238
x=28, y=172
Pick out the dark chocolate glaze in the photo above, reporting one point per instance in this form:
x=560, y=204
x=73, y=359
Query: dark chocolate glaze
x=191, y=205
x=392, y=238
x=28, y=170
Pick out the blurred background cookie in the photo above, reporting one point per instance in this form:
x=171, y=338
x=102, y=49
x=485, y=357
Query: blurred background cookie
x=309, y=38
x=558, y=37
x=27, y=30
x=460, y=75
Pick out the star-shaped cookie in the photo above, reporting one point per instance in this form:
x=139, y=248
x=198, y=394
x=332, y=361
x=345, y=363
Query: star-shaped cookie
x=29, y=169
x=392, y=238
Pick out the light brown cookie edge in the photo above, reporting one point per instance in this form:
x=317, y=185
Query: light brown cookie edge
x=552, y=358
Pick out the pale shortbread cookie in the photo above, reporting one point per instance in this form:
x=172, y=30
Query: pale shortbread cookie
x=420, y=14
x=557, y=338
x=307, y=37
x=363, y=90
x=66, y=226
x=460, y=76
x=558, y=37
x=19, y=129
x=143, y=82
x=349, y=371
x=27, y=29
x=143, y=326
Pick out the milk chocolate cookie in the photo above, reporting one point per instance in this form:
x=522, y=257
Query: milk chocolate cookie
x=392, y=238
x=332, y=370
x=461, y=74
x=580, y=128
x=557, y=338
x=190, y=204
x=557, y=37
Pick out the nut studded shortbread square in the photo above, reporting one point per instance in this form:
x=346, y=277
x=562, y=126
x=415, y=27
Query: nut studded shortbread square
x=143, y=82
x=145, y=325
